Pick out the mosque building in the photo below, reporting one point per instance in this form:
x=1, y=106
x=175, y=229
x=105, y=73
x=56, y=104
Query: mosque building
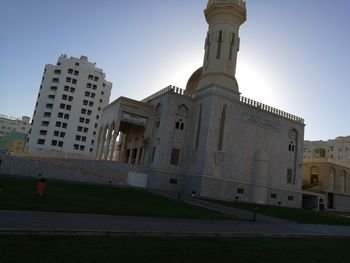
x=208, y=139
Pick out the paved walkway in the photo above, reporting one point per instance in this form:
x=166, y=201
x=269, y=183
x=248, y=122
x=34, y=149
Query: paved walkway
x=56, y=223
x=42, y=222
x=223, y=209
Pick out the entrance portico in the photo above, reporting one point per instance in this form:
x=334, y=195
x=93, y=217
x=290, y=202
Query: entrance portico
x=125, y=131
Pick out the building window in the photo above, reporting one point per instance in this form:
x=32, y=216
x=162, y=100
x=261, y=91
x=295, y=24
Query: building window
x=87, y=121
x=68, y=79
x=66, y=88
x=70, y=71
x=94, y=87
x=290, y=198
x=66, y=116
x=70, y=98
x=45, y=123
x=72, y=90
x=68, y=107
x=291, y=146
x=62, y=134
x=62, y=106
x=77, y=137
x=51, y=96
x=153, y=153
x=54, y=88
x=95, y=78
x=88, y=85
x=55, y=80
x=58, y=124
x=240, y=190
x=91, y=103
x=86, y=130
x=56, y=133
x=87, y=94
x=273, y=195
x=290, y=179
x=220, y=39
x=82, y=148
x=64, y=125
x=54, y=143
x=41, y=141
x=47, y=114
x=57, y=71
x=81, y=120
x=85, y=102
x=74, y=81
x=60, y=144
x=175, y=156
x=77, y=64
x=222, y=128
x=64, y=97
x=179, y=125
x=76, y=147
x=91, y=77
x=43, y=132
x=199, y=123
x=92, y=95
x=83, y=138
x=49, y=106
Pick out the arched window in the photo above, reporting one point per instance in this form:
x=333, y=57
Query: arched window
x=181, y=116
x=292, y=136
x=199, y=123
x=232, y=45
x=207, y=46
x=220, y=39
x=157, y=114
x=222, y=128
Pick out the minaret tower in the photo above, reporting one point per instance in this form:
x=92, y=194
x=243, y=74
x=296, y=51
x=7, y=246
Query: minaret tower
x=222, y=44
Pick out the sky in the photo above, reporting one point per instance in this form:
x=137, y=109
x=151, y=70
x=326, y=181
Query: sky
x=294, y=55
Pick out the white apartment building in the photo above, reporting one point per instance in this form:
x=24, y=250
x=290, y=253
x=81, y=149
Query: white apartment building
x=69, y=105
x=10, y=124
x=335, y=150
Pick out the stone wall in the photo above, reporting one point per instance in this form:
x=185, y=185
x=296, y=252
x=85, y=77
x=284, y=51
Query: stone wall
x=89, y=171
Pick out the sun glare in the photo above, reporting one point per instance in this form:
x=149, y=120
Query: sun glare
x=255, y=84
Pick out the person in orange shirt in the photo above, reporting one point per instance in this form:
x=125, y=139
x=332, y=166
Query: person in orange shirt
x=40, y=187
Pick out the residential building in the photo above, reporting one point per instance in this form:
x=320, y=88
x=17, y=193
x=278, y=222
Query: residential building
x=335, y=150
x=67, y=113
x=13, y=133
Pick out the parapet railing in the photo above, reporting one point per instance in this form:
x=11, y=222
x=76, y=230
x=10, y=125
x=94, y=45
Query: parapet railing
x=242, y=99
x=169, y=88
x=270, y=109
x=9, y=117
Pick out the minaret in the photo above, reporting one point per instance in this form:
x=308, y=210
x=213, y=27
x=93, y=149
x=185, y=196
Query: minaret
x=222, y=44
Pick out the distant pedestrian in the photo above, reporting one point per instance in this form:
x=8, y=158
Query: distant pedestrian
x=110, y=183
x=40, y=188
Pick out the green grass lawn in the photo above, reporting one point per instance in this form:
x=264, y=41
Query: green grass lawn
x=56, y=249
x=18, y=194
x=297, y=215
